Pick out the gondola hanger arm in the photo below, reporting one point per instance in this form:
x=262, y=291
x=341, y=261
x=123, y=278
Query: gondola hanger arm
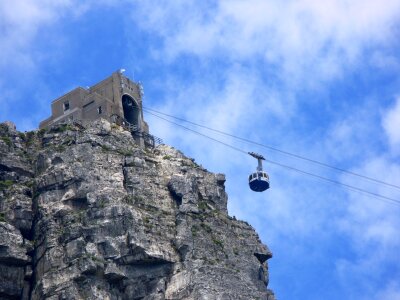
x=256, y=155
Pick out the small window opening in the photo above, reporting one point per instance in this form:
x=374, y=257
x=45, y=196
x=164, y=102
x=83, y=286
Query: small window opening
x=66, y=105
x=99, y=110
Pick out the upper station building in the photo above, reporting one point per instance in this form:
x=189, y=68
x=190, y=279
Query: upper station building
x=116, y=99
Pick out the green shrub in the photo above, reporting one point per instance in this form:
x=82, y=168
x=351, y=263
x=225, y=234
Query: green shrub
x=105, y=148
x=206, y=227
x=219, y=243
x=61, y=128
x=5, y=184
x=29, y=183
x=3, y=128
x=125, y=152
x=202, y=205
x=42, y=131
x=30, y=137
x=128, y=199
x=194, y=230
x=6, y=140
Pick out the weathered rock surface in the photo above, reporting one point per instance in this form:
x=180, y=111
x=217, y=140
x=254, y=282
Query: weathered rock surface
x=87, y=214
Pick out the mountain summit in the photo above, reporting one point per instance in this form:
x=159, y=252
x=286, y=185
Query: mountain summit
x=87, y=213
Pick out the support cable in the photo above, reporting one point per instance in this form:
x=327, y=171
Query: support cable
x=149, y=110
x=201, y=134
x=351, y=187
x=348, y=186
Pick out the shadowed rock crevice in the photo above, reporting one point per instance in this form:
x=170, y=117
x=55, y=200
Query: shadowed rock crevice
x=176, y=196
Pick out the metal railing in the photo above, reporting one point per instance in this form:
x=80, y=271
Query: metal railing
x=124, y=123
x=149, y=139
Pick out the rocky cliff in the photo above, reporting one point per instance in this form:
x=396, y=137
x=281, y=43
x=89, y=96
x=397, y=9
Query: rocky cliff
x=87, y=214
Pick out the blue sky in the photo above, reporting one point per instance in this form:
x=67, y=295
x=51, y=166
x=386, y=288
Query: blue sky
x=316, y=78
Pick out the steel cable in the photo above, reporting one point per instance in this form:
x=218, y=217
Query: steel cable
x=348, y=186
x=277, y=150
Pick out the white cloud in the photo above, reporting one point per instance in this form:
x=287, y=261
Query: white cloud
x=391, y=124
x=385, y=61
x=371, y=225
x=23, y=26
x=240, y=104
x=302, y=37
x=367, y=219
x=390, y=291
x=20, y=21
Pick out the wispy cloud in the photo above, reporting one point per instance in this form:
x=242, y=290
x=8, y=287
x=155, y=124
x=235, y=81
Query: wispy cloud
x=302, y=37
x=391, y=291
x=21, y=21
x=391, y=123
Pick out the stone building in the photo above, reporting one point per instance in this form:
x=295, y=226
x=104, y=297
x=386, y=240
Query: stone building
x=116, y=99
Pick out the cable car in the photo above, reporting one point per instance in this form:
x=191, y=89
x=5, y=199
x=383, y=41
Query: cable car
x=258, y=181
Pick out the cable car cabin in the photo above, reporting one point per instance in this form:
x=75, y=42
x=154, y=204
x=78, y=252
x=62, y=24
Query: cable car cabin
x=259, y=181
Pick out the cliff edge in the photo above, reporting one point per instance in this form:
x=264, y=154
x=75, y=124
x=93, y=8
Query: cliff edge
x=85, y=213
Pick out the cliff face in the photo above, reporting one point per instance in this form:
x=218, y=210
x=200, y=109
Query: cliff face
x=86, y=214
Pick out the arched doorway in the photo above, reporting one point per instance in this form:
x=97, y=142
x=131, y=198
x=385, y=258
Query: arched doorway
x=131, y=110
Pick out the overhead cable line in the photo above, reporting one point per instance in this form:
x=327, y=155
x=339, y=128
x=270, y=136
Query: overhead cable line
x=199, y=133
x=348, y=186
x=351, y=187
x=276, y=149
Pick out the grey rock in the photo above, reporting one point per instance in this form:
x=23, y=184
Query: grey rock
x=16, y=182
x=11, y=126
x=87, y=214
